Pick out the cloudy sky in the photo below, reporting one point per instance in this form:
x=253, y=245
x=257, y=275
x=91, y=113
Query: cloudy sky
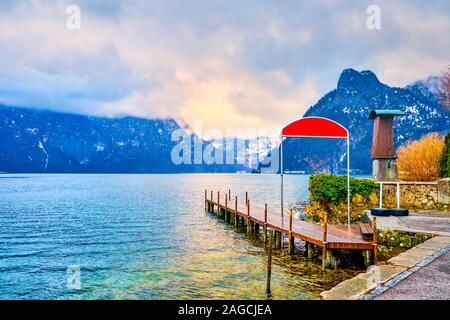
x=242, y=64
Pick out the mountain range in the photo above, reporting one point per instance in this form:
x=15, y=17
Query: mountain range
x=34, y=140
x=358, y=93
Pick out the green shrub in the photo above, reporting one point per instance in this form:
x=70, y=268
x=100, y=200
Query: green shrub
x=392, y=243
x=445, y=160
x=329, y=188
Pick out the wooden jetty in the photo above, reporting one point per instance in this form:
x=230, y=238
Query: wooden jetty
x=326, y=237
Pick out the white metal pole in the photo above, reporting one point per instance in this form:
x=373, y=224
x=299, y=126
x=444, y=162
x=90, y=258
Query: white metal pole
x=381, y=194
x=281, y=174
x=348, y=181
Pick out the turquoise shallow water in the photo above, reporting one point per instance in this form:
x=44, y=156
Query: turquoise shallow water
x=142, y=237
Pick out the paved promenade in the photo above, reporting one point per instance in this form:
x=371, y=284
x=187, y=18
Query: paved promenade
x=432, y=282
x=427, y=222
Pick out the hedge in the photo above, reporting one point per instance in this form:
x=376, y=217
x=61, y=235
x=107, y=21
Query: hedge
x=329, y=188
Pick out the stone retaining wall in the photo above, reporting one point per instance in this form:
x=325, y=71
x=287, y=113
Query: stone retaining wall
x=415, y=195
x=418, y=196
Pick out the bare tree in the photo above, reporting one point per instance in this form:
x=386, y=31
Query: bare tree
x=316, y=164
x=445, y=89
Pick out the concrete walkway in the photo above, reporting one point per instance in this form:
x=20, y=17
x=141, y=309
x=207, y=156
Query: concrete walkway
x=431, y=282
x=425, y=222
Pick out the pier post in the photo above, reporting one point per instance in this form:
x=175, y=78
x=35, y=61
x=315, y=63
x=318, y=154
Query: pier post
x=206, y=202
x=236, y=217
x=291, y=239
x=277, y=239
x=269, y=264
x=218, y=202
x=367, y=256
x=331, y=259
x=324, y=242
x=249, y=227
x=211, y=208
x=375, y=240
x=310, y=250
x=246, y=198
x=229, y=194
x=265, y=223
x=225, y=216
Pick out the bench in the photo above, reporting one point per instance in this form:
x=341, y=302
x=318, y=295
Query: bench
x=367, y=231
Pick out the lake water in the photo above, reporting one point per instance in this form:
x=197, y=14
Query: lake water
x=143, y=237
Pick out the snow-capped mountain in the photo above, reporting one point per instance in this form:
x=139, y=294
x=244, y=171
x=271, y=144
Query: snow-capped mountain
x=255, y=150
x=45, y=141
x=358, y=93
x=428, y=87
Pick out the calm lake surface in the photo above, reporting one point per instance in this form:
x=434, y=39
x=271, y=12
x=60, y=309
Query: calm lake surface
x=143, y=237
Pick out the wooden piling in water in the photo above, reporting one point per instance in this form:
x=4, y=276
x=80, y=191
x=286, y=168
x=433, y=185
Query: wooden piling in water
x=375, y=240
x=310, y=250
x=265, y=223
x=225, y=216
x=290, y=239
x=206, y=202
x=324, y=242
x=277, y=239
x=236, y=216
x=211, y=207
x=367, y=256
x=331, y=260
x=282, y=242
x=269, y=264
x=229, y=194
x=218, y=202
x=249, y=228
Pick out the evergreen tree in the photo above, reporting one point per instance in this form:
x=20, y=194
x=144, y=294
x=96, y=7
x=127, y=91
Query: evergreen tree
x=445, y=160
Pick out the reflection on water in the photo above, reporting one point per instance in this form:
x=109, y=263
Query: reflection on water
x=143, y=237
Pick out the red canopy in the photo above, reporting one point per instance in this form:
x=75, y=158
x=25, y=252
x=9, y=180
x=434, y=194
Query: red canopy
x=315, y=127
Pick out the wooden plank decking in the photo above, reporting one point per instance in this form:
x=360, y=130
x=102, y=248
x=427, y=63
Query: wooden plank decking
x=326, y=236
